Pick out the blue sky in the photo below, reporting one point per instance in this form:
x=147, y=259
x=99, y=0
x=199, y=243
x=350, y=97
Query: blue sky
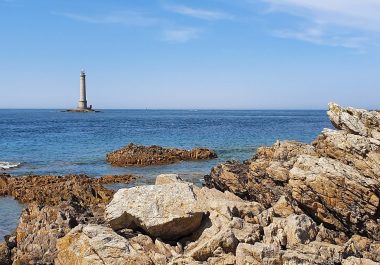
x=237, y=54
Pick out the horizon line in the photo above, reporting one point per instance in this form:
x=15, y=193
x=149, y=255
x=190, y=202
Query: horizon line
x=184, y=109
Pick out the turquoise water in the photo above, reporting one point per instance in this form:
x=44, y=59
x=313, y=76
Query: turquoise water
x=54, y=142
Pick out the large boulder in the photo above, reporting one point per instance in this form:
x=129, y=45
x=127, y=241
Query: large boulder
x=139, y=155
x=166, y=211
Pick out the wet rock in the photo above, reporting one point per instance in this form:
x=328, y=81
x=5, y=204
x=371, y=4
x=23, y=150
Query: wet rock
x=52, y=190
x=166, y=211
x=110, y=179
x=139, y=155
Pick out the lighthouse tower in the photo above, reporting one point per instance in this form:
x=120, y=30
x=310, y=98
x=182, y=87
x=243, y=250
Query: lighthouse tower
x=82, y=104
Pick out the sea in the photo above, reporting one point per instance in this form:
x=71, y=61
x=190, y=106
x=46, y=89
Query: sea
x=52, y=142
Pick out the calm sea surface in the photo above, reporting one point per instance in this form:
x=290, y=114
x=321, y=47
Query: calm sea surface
x=57, y=143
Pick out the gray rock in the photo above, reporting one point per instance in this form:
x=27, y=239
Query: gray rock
x=167, y=211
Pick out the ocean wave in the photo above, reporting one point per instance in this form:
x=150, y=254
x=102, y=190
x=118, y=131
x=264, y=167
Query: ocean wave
x=8, y=165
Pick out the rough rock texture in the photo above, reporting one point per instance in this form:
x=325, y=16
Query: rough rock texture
x=94, y=244
x=166, y=211
x=55, y=205
x=334, y=184
x=226, y=222
x=51, y=190
x=263, y=178
x=139, y=155
x=290, y=231
x=361, y=152
x=355, y=121
x=336, y=194
x=358, y=261
x=40, y=227
x=5, y=254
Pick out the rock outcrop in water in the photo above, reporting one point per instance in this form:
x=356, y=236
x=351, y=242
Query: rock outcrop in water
x=291, y=204
x=139, y=155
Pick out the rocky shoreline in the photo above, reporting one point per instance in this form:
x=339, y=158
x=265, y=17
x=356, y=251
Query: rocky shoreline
x=291, y=204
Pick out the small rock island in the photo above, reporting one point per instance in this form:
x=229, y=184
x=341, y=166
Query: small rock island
x=139, y=155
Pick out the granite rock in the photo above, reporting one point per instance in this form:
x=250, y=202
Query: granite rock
x=167, y=211
x=355, y=121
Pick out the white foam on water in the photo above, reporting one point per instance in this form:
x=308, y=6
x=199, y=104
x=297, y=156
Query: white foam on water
x=8, y=165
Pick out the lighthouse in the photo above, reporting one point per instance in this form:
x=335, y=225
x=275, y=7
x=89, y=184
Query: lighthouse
x=82, y=104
